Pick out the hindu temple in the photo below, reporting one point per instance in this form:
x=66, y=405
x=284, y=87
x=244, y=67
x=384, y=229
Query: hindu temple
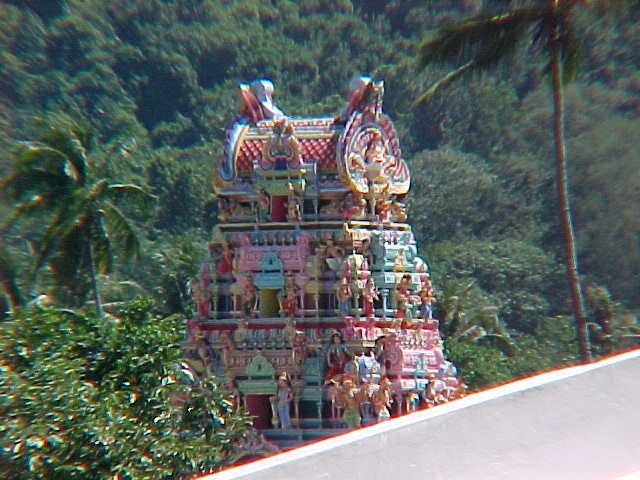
x=313, y=306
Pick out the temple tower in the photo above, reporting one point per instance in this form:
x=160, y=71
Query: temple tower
x=313, y=304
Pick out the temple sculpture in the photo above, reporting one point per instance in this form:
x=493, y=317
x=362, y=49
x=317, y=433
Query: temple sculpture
x=313, y=304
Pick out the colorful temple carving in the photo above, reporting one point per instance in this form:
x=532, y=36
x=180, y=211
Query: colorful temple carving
x=313, y=305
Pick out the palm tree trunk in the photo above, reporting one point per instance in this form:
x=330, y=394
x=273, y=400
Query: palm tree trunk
x=94, y=282
x=563, y=199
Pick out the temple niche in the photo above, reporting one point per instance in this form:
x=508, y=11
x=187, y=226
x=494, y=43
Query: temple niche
x=313, y=303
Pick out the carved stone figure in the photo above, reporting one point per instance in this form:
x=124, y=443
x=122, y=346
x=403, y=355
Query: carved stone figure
x=249, y=296
x=400, y=261
x=288, y=308
x=398, y=211
x=337, y=356
x=242, y=331
x=224, y=261
x=343, y=294
x=284, y=396
x=351, y=413
x=354, y=206
x=427, y=297
x=281, y=151
x=264, y=203
x=401, y=296
x=381, y=399
x=334, y=254
x=299, y=347
x=294, y=213
x=369, y=295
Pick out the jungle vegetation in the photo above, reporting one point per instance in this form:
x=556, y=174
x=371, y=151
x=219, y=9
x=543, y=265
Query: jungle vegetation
x=143, y=90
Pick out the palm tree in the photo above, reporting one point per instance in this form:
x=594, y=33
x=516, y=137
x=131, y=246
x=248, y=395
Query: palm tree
x=479, y=43
x=51, y=176
x=463, y=319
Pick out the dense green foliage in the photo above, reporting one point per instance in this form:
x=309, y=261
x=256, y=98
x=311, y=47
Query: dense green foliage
x=86, y=397
x=156, y=80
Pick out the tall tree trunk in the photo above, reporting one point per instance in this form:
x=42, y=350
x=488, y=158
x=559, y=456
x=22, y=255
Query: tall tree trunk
x=94, y=282
x=563, y=198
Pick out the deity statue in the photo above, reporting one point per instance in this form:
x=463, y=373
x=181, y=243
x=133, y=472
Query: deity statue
x=401, y=296
x=412, y=401
x=257, y=99
x=343, y=295
x=348, y=394
x=334, y=254
x=384, y=210
x=365, y=251
x=281, y=151
x=398, y=211
x=299, y=347
x=242, y=331
x=224, y=260
x=368, y=367
x=427, y=297
x=288, y=304
x=294, y=213
x=284, y=396
x=337, y=356
x=202, y=358
x=331, y=395
x=264, y=204
x=371, y=164
x=400, y=261
x=249, y=296
x=288, y=297
x=332, y=208
x=369, y=295
x=353, y=206
x=381, y=399
x=201, y=297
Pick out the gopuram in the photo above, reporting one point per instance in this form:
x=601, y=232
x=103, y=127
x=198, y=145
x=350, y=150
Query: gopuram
x=313, y=306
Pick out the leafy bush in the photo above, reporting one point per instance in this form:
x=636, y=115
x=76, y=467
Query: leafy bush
x=82, y=397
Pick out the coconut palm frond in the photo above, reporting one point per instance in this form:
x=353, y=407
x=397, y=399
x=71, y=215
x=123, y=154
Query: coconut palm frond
x=503, y=342
x=123, y=233
x=69, y=144
x=25, y=183
x=488, y=317
x=483, y=39
x=98, y=190
x=443, y=82
x=68, y=256
x=40, y=155
x=128, y=193
x=472, y=333
x=101, y=251
x=73, y=216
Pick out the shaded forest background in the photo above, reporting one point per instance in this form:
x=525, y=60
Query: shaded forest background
x=155, y=81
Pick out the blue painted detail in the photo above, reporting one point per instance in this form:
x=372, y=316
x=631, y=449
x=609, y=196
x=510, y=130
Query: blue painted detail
x=272, y=275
